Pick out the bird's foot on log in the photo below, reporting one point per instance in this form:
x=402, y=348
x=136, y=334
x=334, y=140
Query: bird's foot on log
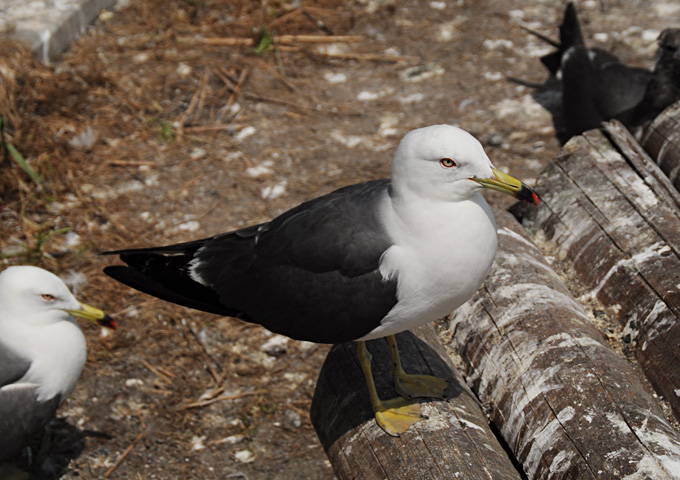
x=412, y=386
x=395, y=416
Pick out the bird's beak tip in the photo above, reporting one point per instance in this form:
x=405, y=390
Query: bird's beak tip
x=503, y=182
x=94, y=315
x=107, y=322
x=527, y=194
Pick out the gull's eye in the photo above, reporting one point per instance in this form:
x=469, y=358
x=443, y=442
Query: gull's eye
x=47, y=297
x=447, y=163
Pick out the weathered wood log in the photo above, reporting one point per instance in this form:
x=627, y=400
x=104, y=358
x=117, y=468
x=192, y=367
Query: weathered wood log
x=454, y=442
x=662, y=141
x=613, y=217
x=567, y=405
x=640, y=161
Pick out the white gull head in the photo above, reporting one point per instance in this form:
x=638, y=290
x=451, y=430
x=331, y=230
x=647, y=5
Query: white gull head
x=36, y=322
x=33, y=296
x=438, y=162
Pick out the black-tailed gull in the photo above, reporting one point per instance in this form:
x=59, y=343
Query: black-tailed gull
x=42, y=351
x=365, y=261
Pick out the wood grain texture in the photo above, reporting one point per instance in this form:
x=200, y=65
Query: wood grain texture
x=662, y=141
x=455, y=442
x=567, y=405
x=614, y=219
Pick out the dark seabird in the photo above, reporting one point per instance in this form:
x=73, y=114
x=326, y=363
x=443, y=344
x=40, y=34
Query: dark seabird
x=42, y=351
x=597, y=86
x=663, y=89
x=363, y=262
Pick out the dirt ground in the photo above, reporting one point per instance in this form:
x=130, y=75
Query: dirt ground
x=147, y=133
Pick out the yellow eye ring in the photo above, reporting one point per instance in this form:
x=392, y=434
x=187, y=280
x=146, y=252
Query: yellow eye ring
x=447, y=163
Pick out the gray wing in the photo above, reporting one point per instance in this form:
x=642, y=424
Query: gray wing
x=12, y=365
x=21, y=414
x=312, y=273
x=21, y=417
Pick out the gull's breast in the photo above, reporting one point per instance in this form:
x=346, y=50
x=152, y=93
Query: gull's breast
x=439, y=263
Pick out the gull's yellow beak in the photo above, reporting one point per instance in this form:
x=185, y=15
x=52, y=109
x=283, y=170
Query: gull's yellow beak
x=510, y=185
x=94, y=315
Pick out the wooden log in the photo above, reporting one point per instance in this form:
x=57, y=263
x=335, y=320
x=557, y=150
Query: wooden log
x=612, y=216
x=567, y=405
x=454, y=442
x=662, y=142
x=640, y=161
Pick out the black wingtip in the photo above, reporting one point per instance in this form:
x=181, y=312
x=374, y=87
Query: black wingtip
x=570, y=36
x=176, y=289
x=112, y=270
x=124, y=275
x=540, y=36
x=553, y=62
x=135, y=251
x=570, y=30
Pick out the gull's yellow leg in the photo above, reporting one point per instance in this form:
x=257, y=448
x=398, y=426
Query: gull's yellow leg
x=394, y=416
x=411, y=386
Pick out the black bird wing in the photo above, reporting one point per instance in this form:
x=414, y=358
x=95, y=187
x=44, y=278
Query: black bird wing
x=596, y=85
x=570, y=36
x=621, y=87
x=596, y=88
x=311, y=274
x=663, y=88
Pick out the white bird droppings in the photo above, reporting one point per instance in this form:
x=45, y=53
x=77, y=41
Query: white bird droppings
x=413, y=98
x=245, y=456
x=367, y=96
x=494, y=76
x=197, y=443
x=134, y=382
x=265, y=168
x=190, y=226
x=183, y=70
x=272, y=192
x=245, y=133
x=335, y=77
x=497, y=44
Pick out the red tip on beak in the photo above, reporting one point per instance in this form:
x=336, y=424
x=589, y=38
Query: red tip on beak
x=526, y=194
x=107, y=322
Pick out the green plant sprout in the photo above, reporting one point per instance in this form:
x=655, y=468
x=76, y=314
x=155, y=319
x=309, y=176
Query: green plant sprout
x=166, y=131
x=35, y=251
x=16, y=156
x=266, y=41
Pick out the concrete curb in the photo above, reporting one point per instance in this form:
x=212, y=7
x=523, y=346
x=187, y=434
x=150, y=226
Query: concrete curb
x=48, y=26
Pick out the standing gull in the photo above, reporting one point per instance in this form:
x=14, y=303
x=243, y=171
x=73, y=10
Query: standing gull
x=363, y=262
x=42, y=351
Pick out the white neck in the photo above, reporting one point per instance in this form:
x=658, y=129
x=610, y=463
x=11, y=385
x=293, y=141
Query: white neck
x=54, y=370
x=408, y=211
x=442, y=252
